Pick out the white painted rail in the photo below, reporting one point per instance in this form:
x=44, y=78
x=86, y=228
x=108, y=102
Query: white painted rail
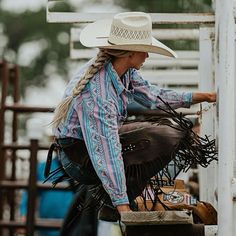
x=207, y=177
x=226, y=78
x=157, y=18
x=172, y=77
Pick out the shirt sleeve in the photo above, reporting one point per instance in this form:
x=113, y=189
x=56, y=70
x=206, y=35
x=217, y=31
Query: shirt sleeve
x=98, y=120
x=147, y=94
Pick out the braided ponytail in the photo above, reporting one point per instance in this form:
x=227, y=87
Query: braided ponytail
x=62, y=109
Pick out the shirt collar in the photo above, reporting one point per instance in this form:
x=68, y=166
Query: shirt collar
x=118, y=85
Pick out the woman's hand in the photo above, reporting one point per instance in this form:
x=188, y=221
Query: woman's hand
x=204, y=97
x=212, y=97
x=122, y=208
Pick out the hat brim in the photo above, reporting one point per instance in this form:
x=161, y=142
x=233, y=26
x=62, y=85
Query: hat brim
x=96, y=35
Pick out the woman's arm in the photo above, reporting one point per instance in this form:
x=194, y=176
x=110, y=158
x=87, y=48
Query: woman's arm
x=121, y=208
x=147, y=94
x=198, y=97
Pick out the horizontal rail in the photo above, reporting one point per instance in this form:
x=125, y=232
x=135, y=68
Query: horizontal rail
x=172, y=77
x=180, y=63
x=26, y=109
x=161, y=34
x=40, y=223
x=194, y=110
x=186, y=59
x=131, y=111
x=86, y=53
x=21, y=184
x=48, y=223
x=15, y=146
x=157, y=18
x=12, y=224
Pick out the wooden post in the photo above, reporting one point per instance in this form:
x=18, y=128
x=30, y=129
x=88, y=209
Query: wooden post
x=225, y=74
x=4, y=78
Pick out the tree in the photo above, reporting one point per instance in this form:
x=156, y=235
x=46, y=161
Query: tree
x=166, y=5
x=51, y=42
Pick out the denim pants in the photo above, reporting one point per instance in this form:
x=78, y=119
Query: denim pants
x=81, y=170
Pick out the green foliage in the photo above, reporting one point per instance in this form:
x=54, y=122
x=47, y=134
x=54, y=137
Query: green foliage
x=168, y=6
x=32, y=27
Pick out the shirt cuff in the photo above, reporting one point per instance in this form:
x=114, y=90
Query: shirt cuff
x=187, y=99
x=120, y=199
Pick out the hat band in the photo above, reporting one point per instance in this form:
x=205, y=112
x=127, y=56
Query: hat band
x=120, y=35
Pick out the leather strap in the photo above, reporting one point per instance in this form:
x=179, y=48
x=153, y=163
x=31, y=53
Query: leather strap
x=54, y=146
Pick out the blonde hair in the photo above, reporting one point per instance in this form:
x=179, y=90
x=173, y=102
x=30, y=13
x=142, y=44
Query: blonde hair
x=102, y=57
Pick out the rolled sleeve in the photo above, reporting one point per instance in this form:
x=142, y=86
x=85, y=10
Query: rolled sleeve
x=148, y=94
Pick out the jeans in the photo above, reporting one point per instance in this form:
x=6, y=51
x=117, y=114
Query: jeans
x=81, y=170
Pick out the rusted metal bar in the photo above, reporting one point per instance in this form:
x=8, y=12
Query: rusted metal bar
x=4, y=79
x=10, y=74
x=52, y=223
x=26, y=109
x=32, y=189
x=14, y=79
x=20, y=184
x=15, y=146
x=39, y=224
x=11, y=224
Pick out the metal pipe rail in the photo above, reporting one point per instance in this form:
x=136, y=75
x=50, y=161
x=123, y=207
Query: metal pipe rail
x=15, y=146
x=38, y=224
x=20, y=184
x=32, y=185
x=27, y=109
x=10, y=77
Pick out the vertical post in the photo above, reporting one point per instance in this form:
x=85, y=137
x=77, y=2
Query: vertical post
x=16, y=97
x=207, y=177
x=14, y=79
x=4, y=78
x=225, y=66
x=32, y=189
x=234, y=199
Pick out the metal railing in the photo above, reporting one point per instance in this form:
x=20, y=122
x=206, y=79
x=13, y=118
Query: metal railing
x=9, y=75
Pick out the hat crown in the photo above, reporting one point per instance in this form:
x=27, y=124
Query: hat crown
x=131, y=28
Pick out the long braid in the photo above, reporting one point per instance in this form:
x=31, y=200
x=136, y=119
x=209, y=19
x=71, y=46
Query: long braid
x=62, y=109
x=102, y=57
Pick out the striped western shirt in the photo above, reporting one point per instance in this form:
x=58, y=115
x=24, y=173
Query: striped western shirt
x=97, y=113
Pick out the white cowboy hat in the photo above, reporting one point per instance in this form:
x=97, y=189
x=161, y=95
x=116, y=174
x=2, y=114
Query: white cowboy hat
x=131, y=31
